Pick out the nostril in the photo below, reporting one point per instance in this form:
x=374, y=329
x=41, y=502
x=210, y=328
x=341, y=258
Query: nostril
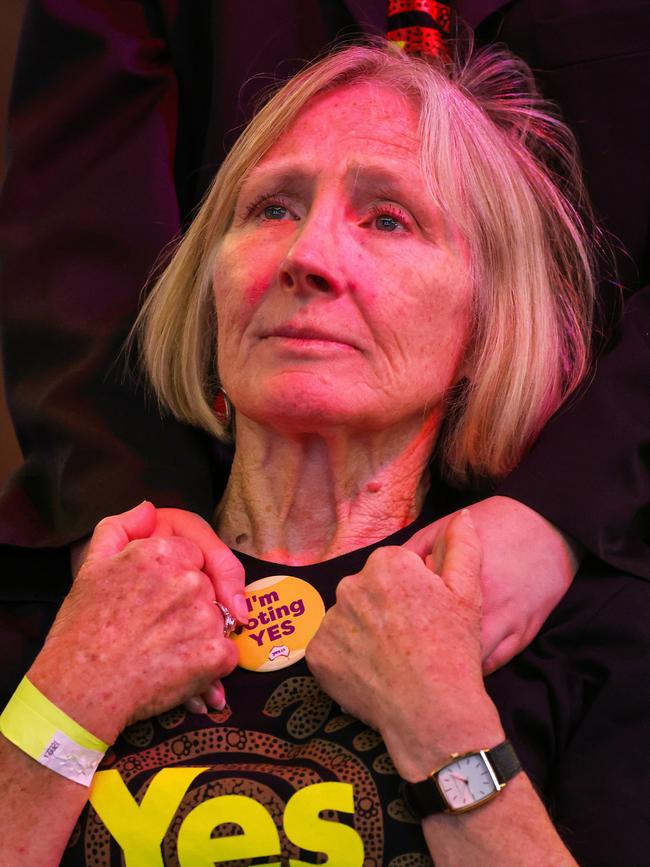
x=319, y=282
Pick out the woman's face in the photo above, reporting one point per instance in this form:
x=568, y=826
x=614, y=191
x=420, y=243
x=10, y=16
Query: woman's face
x=342, y=296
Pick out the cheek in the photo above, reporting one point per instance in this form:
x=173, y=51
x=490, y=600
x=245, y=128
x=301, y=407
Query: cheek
x=436, y=318
x=241, y=278
x=255, y=283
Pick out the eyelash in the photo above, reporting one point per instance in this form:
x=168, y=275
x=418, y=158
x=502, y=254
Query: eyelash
x=382, y=210
x=268, y=199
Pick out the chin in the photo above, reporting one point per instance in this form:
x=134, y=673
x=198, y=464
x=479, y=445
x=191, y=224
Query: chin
x=301, y=404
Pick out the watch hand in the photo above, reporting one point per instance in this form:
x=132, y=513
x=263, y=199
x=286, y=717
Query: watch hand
x=458, y=777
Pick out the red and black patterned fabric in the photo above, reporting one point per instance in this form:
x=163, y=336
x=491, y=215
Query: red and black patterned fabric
x=419, y=26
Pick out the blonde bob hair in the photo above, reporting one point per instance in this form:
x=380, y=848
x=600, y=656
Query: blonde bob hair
x=502, y=168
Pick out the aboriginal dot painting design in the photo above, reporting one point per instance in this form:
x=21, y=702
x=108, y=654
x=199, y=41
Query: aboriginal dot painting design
x=281, y=741
x=313, y=705
x=411, y=859
x=312, y=742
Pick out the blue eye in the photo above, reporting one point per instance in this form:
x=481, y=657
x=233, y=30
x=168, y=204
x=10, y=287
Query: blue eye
x=274, y=212
x=386, y=217
x=387, y=223
x=269, y=207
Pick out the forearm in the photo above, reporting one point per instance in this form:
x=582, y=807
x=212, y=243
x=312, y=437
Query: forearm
x=39, y=806
x=38, y=810
x=512, y=830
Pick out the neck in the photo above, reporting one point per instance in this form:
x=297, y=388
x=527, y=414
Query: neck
x=307, y=498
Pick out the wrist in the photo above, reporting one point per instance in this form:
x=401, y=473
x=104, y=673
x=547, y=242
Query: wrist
x=50, y=736
x=419, y=745
x=72, y=689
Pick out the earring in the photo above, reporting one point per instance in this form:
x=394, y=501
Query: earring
x=222, y=408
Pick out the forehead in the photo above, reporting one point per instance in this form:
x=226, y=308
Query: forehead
x=355, y=122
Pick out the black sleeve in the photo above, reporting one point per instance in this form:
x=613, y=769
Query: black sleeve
x=589, y=472
x=576, y=705
x=89, y=202
x=598, y=796
x=121, y=113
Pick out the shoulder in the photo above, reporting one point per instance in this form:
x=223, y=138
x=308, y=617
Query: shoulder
x=602, y=602
x=589, y=664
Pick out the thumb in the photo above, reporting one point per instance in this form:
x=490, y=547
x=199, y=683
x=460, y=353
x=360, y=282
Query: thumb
x=114, y=533
x=220, y=564
x=431, y=536
x=461, y=565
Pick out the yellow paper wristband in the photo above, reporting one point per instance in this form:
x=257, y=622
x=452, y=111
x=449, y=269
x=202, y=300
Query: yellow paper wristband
x=47, y=734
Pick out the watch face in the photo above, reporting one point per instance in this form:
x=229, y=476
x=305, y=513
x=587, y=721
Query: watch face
x=466, y=781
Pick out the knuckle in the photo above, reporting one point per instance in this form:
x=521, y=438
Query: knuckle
x=317, y=648
x=108, y=521
x=318, y=658
x=313, y=655
x=193, y=583
x=155, y=548
x=389, y=557
x=223, y=656
x=385, y=554
x=344, y=590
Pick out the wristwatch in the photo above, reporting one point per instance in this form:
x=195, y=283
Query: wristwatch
x=463, y=783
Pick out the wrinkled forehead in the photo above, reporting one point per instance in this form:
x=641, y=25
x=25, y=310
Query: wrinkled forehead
x=358, y=124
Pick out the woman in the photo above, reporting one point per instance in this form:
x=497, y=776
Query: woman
x=390, y=270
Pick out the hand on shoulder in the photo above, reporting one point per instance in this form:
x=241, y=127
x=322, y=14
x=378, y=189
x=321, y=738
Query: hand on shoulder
x=528, y=565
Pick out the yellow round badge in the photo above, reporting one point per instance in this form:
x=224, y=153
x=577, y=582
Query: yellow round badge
x=284, y=614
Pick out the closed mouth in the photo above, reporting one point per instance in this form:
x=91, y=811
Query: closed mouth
x=307, y=334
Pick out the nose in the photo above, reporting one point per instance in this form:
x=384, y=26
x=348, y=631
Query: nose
x=314, y=261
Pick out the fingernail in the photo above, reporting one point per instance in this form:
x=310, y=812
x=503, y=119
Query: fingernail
x=240, y=609
x=215, y=697
x=196, y=705
x=467, y=517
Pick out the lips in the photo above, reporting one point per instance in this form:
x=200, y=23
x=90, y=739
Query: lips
x=302, y=332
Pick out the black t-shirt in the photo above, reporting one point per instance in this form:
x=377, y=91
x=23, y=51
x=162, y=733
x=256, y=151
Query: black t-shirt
x=284, y=773
x=280, y=754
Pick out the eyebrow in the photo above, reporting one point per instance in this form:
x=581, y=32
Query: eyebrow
x=381, y=182
x=287, y=176
x=360, y=178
